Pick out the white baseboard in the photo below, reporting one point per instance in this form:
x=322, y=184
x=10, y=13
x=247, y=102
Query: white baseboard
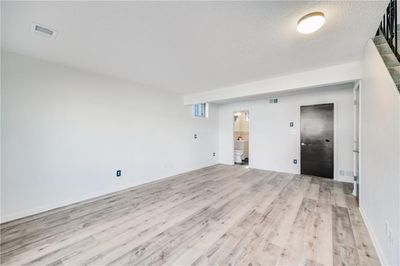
x=374, y=238
x=347, y=179
x=64, y=203
x=85, y=198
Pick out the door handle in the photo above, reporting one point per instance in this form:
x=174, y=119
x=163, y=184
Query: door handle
x=303, y=144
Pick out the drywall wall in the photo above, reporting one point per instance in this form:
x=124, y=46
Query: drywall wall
x=273, y=144
x=337, y=74
x=65, y=132
x=379, y=151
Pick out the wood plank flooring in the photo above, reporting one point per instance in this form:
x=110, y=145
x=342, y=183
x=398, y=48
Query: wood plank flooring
x=219, y=215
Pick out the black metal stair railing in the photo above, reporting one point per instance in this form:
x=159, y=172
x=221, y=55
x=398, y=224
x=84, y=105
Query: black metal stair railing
x=388, y=27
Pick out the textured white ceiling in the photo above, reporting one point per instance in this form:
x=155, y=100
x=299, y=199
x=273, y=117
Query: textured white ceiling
x=190, y=46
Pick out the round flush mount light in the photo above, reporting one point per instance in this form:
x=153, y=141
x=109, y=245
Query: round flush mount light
x=310, y=22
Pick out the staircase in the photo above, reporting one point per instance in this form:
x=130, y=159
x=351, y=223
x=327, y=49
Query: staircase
x=391, y=61
x=387, y=40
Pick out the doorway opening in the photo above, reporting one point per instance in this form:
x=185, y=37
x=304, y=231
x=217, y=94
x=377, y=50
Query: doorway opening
x=241, y=137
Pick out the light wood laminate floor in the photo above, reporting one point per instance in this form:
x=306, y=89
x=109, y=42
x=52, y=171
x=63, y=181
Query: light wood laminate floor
x=218, y=215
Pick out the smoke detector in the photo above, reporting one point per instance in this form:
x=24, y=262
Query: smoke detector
x=43, y=31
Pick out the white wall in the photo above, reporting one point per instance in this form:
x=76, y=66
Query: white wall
x=65, y=132
x=273, y=144
x=380, y=157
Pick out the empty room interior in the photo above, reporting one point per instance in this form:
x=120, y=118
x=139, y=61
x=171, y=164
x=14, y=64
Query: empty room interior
x=200, y=133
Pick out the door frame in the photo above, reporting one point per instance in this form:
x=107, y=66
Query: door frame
x=335, y=122
x=357, y=88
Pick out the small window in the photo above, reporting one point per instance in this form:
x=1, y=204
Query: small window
x=200, y=110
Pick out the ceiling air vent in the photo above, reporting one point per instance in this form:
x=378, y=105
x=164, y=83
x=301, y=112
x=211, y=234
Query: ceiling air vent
x=274, y=100
x=43, y=31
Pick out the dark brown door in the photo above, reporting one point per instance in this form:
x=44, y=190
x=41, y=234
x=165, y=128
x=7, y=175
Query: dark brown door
x=317, y=140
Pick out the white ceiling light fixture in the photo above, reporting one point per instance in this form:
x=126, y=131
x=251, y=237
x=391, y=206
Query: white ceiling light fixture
x=310, y=22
